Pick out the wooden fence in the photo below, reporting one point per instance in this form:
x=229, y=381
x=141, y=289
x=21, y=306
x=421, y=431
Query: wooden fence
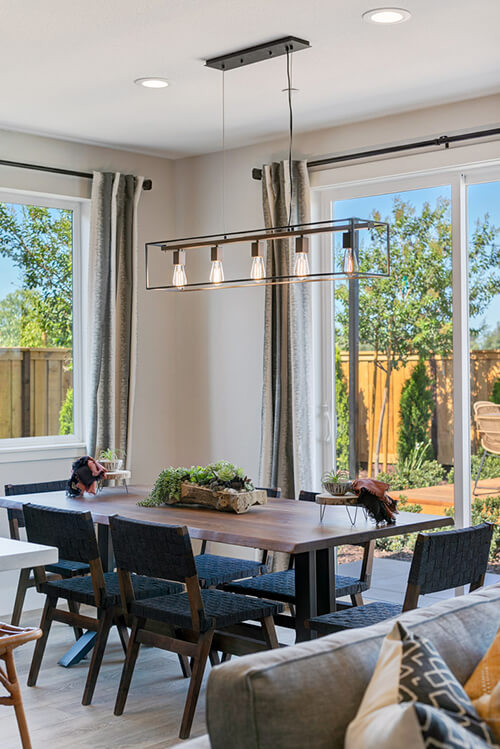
x=485, y=368
x=33, y=386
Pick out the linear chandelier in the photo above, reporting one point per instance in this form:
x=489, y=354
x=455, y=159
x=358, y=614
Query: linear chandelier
x=354, y=267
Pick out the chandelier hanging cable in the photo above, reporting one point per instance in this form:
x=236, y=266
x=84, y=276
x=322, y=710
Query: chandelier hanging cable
x=179, y=249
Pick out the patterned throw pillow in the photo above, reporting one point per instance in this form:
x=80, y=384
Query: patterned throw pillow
x=413, y=700
x=483, y=687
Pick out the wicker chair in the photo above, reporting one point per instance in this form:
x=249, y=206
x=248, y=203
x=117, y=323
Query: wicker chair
x=487, y=418
x=441, y=561
x=74, y=535
x=10, y=639
x=214, y=569
x=190, y=618
x=280, y=586
x=63, y=569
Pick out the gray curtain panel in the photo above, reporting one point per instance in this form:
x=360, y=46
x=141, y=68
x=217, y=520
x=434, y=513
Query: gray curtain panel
x=287, y=401
x=112, y=291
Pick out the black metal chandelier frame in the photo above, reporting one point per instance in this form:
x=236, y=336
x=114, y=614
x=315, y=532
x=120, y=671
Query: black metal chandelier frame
x=351, y=226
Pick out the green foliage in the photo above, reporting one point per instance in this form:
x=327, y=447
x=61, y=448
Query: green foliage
x=66, y=414
x=334, y=477
x=415, y=471
x=416, y=405
x=486, y=510
x=342, y=413
x=217, y=476
x=495, y=393
x=490, y=469
x=400, y=543
x=38, y=241
x=487, y=339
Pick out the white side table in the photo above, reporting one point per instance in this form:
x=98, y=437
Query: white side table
x=19, y=555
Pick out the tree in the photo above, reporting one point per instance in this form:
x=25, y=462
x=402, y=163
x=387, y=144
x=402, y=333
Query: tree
x=411, y=311
x=415, y=407
x=342, y=412
x=38, y=241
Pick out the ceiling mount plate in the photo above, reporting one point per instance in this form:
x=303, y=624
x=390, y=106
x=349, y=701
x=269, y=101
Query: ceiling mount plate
x=259, y=52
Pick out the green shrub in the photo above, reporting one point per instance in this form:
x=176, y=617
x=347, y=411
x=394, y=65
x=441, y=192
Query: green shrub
x=415, y=471
x=415, y=409
x=490, y=469
x=342, y=410
x=495, y=393
x=486, y=510
x=66, y=414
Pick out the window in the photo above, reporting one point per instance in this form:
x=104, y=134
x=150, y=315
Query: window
x=40, y=321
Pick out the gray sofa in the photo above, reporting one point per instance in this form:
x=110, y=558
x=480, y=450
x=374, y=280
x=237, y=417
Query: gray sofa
x=305, y=695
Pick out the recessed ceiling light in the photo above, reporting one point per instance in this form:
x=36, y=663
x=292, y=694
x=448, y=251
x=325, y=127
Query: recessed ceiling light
x=152, y=82
x=386, y=15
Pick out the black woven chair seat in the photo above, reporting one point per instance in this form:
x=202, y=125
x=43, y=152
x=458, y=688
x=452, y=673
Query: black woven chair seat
x=216, y=570
x=221, y=609
x=355, y=617
x=280, y=586
x=67, y=568
x=80, y=589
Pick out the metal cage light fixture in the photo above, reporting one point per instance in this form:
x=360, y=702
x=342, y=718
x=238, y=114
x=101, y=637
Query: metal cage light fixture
x=299, y=235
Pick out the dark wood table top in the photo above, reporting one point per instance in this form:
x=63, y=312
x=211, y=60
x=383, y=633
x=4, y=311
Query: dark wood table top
x=280, y=525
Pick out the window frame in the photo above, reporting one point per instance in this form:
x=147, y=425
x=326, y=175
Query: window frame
x=459, y=177
x=15, y=449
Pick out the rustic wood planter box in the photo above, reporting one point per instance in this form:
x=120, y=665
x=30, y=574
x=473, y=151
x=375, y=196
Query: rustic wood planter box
x=225, y=501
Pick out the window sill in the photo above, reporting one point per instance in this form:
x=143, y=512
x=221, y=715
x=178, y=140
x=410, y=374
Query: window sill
x=41, y=451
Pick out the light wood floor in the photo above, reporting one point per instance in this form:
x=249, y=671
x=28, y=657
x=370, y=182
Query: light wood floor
x=57, y=720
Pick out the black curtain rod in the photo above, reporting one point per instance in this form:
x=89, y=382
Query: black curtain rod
x=443, y=140
x=146, y=185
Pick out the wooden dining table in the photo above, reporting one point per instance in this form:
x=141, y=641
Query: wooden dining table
x=282, y=525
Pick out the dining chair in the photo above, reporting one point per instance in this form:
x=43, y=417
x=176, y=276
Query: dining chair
x=216, y=569
x=64, y=568
x=191, y=617
x=487, y=418
x=74, y=535
x=10, y=639
x=280, y=586
x=441, y=561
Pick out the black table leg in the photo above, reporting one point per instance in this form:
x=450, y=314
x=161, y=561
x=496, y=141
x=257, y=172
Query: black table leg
x=305, y=593
x=325, y=581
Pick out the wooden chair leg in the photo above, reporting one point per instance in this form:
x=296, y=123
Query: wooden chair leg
x=269, y=632
x=105, y=624
x=122, y=632
x=22, y=587
x=128, y=668
x=225, y=657
x=45, y=625
x=200, y=661
x=17, y=700
x=214, y=658
x=74, y=607
x=357, y=599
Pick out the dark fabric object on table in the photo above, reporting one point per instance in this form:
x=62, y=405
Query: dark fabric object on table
x=377, y=509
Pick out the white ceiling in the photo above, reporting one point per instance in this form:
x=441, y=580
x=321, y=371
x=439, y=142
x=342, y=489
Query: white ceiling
x=68, y=68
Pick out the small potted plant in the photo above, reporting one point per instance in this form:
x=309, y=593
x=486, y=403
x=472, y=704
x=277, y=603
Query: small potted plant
x=336, y=482
x=111, y=459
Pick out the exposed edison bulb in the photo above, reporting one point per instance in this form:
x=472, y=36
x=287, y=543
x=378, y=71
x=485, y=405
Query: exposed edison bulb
x=258, y=271
x=179, y=278
x=217, y=271
x=350, y=262
x=301, y=267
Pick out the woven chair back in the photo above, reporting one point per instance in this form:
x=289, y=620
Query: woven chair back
x=488, y=425
x=450, y=559
x=71, y=531
x=152, y=549
x=14, y=490
x=306, y=496
x=272, y=493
